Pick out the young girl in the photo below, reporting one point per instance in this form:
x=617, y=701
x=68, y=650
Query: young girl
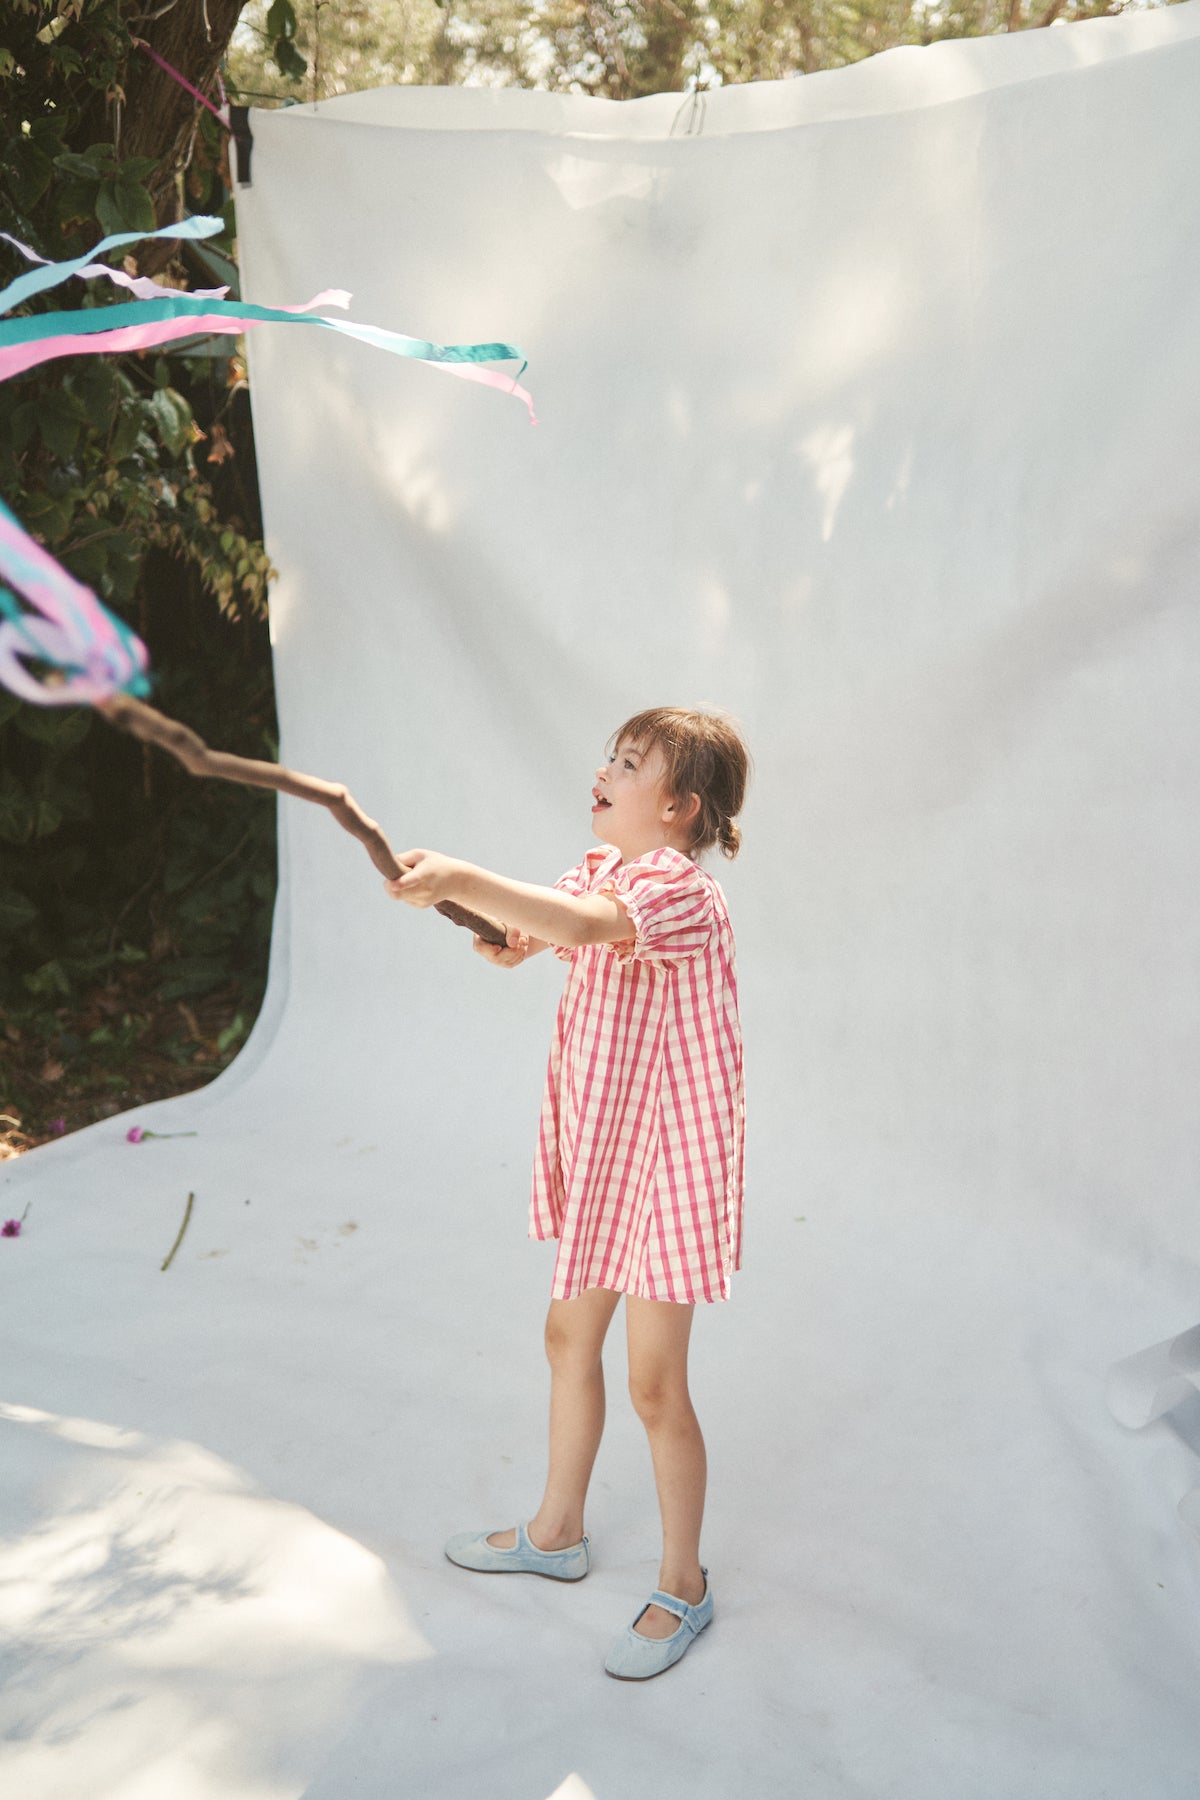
x=639, y=1164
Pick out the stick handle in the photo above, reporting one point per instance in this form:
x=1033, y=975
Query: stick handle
x=142, y=721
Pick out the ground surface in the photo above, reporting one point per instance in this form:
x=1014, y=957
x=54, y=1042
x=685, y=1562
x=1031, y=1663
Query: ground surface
x=117, y=1047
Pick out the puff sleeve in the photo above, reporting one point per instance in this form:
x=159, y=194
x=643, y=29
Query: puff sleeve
x=670, y=905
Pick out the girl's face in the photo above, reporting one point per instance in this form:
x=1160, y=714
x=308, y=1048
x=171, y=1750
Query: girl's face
x=632, y=810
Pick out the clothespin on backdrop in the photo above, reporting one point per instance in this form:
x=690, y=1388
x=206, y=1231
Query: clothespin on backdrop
x=239, y=125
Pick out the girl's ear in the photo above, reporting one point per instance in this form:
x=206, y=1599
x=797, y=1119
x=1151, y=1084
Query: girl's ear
x=683, y=812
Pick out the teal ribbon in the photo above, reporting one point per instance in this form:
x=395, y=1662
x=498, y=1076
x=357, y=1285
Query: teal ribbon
x=143, y=312
x=52, y=275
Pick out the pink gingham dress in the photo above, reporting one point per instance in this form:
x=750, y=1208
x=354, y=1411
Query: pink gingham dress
x=639, y=1167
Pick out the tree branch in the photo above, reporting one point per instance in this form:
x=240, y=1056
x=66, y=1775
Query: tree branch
x=152, y=727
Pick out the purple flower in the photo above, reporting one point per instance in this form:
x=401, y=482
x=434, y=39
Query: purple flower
x=137, y=1134
x=134, y=1135
x=57, y=1127
x=10, y=1228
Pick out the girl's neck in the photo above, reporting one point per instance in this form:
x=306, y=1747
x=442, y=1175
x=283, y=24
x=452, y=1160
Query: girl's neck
x=633, y=854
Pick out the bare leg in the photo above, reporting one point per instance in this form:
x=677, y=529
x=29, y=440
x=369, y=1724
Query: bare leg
x=658, y=1333
x=575, y=1331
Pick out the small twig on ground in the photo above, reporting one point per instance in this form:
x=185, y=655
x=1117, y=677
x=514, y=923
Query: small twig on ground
x=174, y=1247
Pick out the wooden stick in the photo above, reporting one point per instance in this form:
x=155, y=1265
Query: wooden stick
x=151, y=727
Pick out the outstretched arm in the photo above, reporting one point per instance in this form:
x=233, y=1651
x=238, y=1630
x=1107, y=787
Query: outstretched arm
x=539, y=913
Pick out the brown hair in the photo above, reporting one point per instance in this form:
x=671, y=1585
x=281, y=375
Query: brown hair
x=704, y=755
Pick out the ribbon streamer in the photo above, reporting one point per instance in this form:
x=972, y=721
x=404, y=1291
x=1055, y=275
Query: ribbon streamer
x=94, y=653
x=52, y=275
x=139, y=285
x=27, y=342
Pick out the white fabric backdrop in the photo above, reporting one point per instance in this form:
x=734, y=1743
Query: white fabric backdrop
x=870, y=408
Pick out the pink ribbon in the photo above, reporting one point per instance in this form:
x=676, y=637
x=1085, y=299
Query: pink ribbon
x=181, y=79
x=15, y=359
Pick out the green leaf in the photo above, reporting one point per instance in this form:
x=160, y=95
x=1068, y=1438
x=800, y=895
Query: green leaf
x=288, y=60
x=67, y=58
x=61, y=727
x=16, y=911
x=137, y=208
x=173, y=418
x=281, y=19
x=47, y=819
x=24, y=424
x=124, y=206
x=232, y=1034
x=59, y=418
x=95, y=385
x=106, y=209
x=73, y=200
x=51, y=978
x=137, y=168
x=50, y=517
x=186, y=975
x=29, y=174
x=101, y=153
x=16, y=811
x=125, y=436
x=85, y=168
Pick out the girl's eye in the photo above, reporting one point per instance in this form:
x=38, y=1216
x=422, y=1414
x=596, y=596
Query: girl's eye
x=628, y=764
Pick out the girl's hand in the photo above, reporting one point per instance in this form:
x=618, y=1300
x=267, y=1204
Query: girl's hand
x=428, y=877
x=504, y=957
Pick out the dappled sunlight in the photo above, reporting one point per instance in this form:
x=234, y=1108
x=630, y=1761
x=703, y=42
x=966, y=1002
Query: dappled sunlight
x=828, y=451
x=573, y=1788
x=714, y=615
x=903, y=477
x=164, y=1615
x=860, y=312
x=585, y=179
x=417, y=483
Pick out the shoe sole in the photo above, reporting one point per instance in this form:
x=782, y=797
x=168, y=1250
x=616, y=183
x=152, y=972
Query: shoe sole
x=541, y=1574
x=613, y=1676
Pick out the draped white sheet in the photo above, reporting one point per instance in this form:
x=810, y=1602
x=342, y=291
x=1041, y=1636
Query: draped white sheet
x=870, y=407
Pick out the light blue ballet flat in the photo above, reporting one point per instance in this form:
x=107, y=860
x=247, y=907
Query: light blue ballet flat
x=636, y=1658
x=471, y=1550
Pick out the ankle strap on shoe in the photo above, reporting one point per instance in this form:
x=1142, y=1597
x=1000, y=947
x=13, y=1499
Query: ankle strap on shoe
x=670, y=1603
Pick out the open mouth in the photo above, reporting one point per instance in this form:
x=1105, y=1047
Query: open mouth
x=599, y=800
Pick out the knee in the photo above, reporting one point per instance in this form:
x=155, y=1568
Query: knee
x=656, y=1400
x=566, y=1351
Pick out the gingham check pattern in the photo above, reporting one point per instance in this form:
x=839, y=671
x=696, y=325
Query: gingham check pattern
x=639, y=1166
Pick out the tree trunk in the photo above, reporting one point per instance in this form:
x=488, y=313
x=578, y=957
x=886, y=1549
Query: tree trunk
x=158, y=117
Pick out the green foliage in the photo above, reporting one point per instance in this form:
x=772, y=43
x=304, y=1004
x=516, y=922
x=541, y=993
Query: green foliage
x=615, y=48
x=281, y=33
x=137, y=473
x=112, y=854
